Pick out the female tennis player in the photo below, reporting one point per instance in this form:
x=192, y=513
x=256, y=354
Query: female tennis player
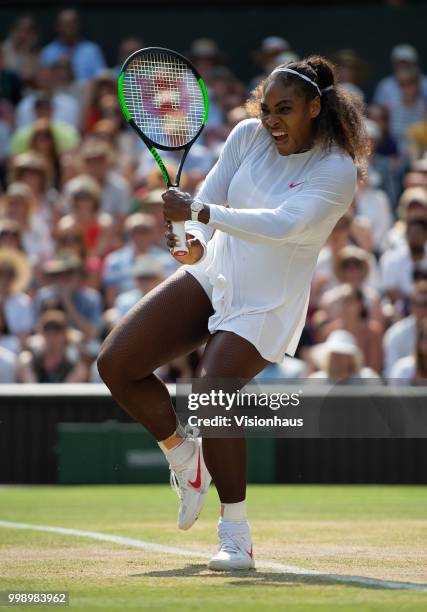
x=283, y=180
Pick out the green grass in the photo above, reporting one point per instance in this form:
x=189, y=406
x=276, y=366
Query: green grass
x=373, y=531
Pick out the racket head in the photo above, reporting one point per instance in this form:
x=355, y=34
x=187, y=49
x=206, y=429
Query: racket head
x=163, y=97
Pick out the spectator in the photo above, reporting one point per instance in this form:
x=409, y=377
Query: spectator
x=83, y=196
x=126, y=48
x=65, y=290
x=53, y=356
x=409, y=109
x=21, y=48
x=117, y=276
x=152, y=204
x=44, y=102
x=382, y=173
x=352, y=267
x=10, y=83
x=64, y=81
x=388, y=91
x=266, y=56
x=417, y=139
x=66, y=137
x=399, y=265
x=86, y=56
x=69, y=238
x=31, y=168
x=8, y=342
x=386, y=145
x=400, y=338
x=206, y=56
x=8, y=366
x=10, y=235
x=20, y=206
x=412, y=205
x=348, y=230
x=412, y=370
x=43, y=143
x=147, y=272
x=98, y=158
x=16, y=309
x=352, y=71
x=372, y=202
x=339, y=360
x=102, y=86
x=352, y=315
x=6, y=117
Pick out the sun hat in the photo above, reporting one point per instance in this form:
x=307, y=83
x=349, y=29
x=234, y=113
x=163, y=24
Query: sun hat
x=411, y=195
x=19, y=262
x=339, y=341
x=147, y=266
x=139, y=220
x=154, y=197
x=83, y=184
x=350, y=252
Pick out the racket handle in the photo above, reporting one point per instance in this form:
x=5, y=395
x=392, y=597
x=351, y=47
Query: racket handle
x=181, y=247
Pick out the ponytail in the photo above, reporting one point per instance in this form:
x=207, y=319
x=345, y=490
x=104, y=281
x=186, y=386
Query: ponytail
x=340, y=120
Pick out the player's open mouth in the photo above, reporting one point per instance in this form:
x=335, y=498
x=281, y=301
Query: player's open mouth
x=279, y=137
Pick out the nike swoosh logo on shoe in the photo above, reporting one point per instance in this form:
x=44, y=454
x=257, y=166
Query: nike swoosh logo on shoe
x=197, y=483
x=250, y=552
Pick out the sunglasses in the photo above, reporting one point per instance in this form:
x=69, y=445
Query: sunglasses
x=9, y=233
x=70, y=240
x=351, y=263
x=53, y=328
x=7, y=272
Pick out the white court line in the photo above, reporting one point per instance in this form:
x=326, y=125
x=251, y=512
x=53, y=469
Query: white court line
x=183, y=552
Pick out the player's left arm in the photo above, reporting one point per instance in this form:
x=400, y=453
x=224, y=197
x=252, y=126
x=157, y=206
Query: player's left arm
x=323, y=199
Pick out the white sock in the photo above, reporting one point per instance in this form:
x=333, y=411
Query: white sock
x=234, y=512
x=180, y=454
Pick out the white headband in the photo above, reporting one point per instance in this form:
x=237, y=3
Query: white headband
x=306, y=78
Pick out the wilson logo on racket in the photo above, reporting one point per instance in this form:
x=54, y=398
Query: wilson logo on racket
x=162, y=96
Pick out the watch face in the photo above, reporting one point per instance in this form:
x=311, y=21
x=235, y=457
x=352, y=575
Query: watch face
x=196, y=206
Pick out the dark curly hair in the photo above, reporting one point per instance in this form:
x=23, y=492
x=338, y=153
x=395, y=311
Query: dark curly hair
x=340, y=120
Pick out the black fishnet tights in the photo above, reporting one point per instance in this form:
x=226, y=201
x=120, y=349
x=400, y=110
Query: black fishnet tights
x=168, y=322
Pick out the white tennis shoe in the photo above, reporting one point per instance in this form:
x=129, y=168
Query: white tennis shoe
x=191, y=482
x=235, y=552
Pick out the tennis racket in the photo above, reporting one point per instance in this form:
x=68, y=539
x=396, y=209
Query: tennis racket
x=164, y=99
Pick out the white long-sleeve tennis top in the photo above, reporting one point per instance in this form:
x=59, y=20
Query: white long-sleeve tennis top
x=272, y=214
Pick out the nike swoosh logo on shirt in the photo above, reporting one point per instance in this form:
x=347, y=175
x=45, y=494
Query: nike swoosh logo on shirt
x=196, y=483
x=292, y=185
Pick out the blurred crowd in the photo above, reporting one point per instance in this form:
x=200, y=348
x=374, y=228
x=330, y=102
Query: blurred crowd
x=81, y=224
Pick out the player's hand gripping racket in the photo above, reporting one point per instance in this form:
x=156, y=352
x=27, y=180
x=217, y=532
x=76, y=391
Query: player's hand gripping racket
x=164, y=99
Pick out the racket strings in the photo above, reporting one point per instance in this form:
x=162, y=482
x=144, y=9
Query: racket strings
x=164, y=98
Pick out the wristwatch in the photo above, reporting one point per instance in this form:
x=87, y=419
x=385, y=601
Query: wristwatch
x=196, y=207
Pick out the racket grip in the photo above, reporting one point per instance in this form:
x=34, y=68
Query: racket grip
x=181, y=247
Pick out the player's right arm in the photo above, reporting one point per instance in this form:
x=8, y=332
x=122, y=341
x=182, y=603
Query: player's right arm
x=214, y=189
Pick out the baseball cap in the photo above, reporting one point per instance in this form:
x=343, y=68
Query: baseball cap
x=274, y=43
x=404, y=53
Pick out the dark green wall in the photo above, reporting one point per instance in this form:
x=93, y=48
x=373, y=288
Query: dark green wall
x=371, y=30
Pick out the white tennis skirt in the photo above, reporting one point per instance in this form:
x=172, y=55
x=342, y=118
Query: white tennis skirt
x=264, y=330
